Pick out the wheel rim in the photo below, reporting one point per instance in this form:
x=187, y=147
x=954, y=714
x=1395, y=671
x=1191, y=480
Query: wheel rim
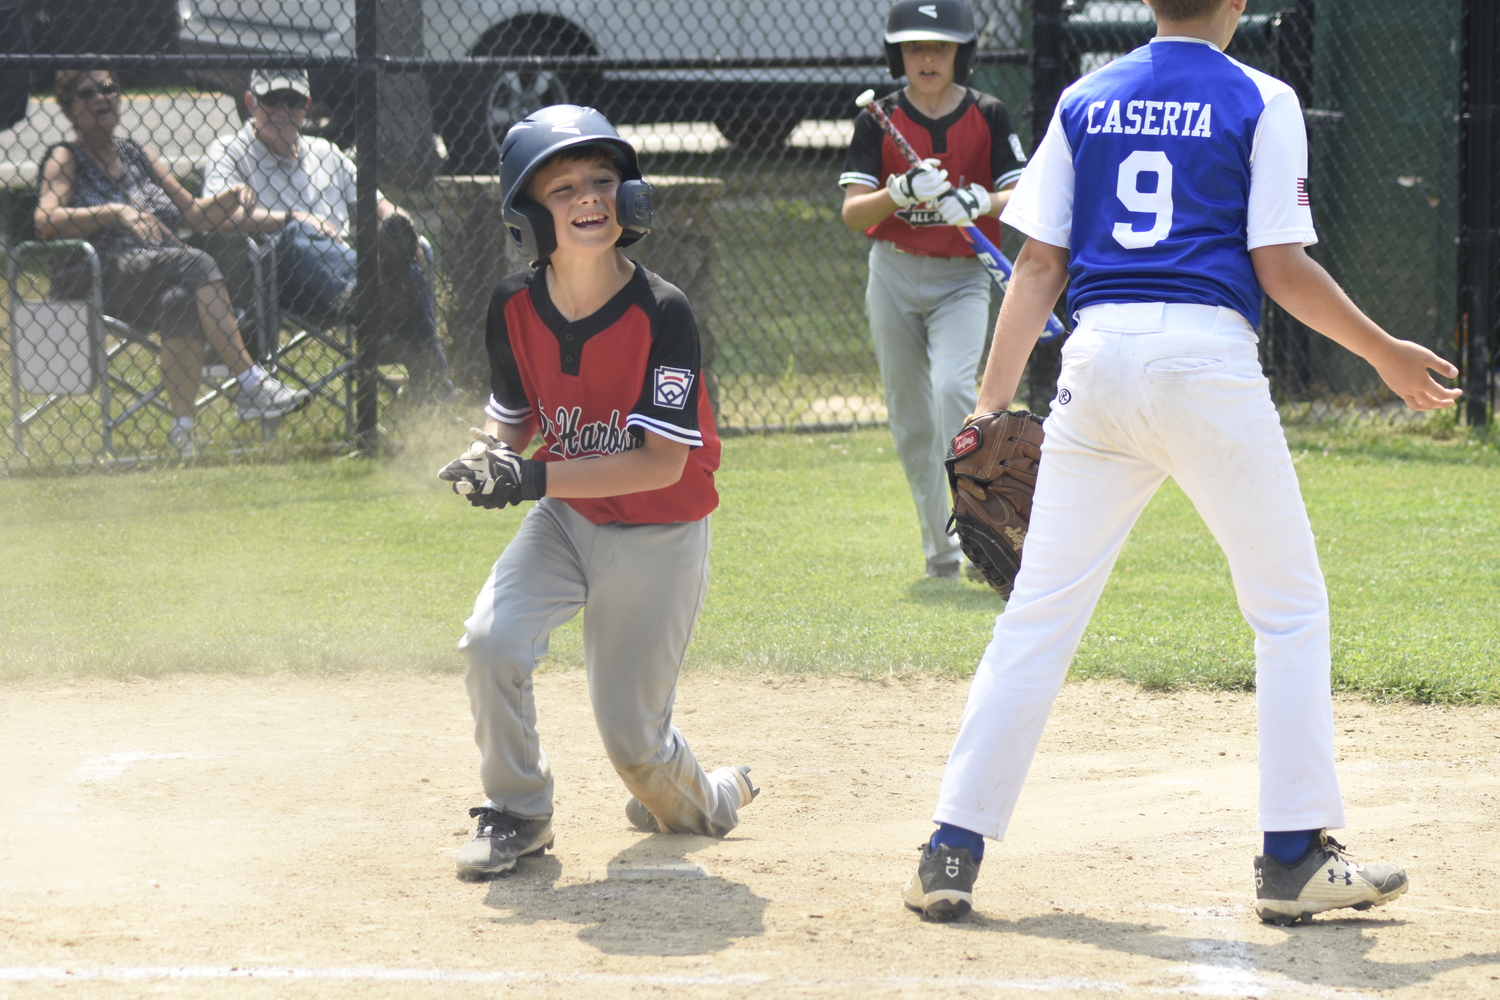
x=514, y=95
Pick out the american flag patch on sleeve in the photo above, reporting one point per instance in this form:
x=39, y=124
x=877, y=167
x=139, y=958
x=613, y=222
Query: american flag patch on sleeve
x=1302, y=198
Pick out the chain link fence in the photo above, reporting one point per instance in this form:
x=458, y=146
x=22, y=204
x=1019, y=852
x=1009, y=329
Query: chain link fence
x=358, y=282
x=1380, y=84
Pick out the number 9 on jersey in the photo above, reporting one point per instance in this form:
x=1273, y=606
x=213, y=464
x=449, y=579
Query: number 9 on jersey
x=1157, y=203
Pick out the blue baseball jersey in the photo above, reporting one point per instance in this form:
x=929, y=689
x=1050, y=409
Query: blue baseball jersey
x=1161, y=171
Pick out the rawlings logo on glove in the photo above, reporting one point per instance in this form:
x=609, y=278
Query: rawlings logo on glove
x=992, y=466
x=492, y=475
x=966, y=441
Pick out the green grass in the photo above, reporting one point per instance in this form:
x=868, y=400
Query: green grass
x=1407, y=531
x=809, y=317
x=350, y=565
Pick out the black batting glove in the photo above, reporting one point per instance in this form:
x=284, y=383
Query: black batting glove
x=492, y=475
x=531, y=485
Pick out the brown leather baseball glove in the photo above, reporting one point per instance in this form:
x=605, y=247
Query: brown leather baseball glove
x=992, y=465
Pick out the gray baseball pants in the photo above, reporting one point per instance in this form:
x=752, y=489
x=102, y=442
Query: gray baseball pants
x=641, y=589
x=928, y=319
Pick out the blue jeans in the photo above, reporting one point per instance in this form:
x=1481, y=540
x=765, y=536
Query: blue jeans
x=317, y=275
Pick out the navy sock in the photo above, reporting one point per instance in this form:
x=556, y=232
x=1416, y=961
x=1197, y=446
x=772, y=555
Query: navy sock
x=957, y=836
x=1288, y=846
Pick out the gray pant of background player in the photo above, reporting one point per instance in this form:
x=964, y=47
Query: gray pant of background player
x=928, y=317
x=641, y=589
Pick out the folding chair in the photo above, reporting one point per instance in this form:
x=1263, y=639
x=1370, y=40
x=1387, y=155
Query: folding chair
x=297, y=358
x=57, y=349
x=62, y=349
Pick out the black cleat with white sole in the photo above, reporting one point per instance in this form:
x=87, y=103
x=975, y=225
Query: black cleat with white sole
x=499, y=840
x=1322, y=879
x=943, y=887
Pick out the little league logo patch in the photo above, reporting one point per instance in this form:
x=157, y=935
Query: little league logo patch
x=672, y=387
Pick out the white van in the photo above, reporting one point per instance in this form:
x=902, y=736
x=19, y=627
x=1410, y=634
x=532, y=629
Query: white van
x=472, y=109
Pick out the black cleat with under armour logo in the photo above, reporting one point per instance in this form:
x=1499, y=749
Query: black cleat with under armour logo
x=943, y=887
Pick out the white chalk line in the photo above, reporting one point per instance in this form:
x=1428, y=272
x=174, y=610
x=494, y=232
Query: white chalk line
x=112, y=765
x=1226, y=967
x=388, y=975
x=1212, y=979
x=109, y=766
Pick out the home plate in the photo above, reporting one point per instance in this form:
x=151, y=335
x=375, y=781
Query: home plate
x=657, y=869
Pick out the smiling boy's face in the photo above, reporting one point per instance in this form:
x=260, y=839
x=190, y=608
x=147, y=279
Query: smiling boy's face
x=581, y=195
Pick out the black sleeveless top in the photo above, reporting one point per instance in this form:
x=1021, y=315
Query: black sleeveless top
x=137, y=187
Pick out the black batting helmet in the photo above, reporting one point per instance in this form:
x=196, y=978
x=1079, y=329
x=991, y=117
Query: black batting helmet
x=534, y=140
x=931, y=21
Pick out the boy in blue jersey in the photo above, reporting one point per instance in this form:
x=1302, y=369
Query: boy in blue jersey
x=1169, y=192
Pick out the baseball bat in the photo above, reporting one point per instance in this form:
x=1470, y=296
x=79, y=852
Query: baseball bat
x=987, y=253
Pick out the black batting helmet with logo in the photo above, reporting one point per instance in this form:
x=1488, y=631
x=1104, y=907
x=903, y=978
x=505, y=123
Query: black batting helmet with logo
x=931, y=21
x=534, y=140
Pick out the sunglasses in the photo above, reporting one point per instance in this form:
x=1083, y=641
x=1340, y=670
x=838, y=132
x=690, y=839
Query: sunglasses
x=87, y=94
x=287, y=100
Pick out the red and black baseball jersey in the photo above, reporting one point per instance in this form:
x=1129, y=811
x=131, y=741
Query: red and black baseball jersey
x=595, y=386
x=975, y=145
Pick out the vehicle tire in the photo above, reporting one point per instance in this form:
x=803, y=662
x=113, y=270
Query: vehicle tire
x=752, y=128
x=481, y=107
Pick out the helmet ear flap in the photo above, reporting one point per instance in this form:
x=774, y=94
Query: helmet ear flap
x=633, y=210
x=894, y=60
x=530, y=226
x=963, y=62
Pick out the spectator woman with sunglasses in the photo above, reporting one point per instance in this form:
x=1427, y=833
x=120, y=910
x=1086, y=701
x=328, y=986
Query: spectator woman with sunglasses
x=118, y=195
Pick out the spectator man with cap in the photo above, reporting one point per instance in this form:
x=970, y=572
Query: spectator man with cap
x=307, y=184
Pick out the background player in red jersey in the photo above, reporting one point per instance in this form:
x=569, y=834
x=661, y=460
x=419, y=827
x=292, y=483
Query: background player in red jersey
x=928, y=296
x=602, y=357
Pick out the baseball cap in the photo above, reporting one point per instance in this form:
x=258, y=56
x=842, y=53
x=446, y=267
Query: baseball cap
x=266, y=81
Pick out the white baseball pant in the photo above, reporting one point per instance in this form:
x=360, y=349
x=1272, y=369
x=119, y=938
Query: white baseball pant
x=641, y=588
x=928, y=320
x=1149, y=391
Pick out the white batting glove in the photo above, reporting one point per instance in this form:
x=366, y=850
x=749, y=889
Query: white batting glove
x=961, y=206
x=924, y=184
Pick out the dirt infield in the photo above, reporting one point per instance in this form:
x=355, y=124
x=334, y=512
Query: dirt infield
x=213, y=836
